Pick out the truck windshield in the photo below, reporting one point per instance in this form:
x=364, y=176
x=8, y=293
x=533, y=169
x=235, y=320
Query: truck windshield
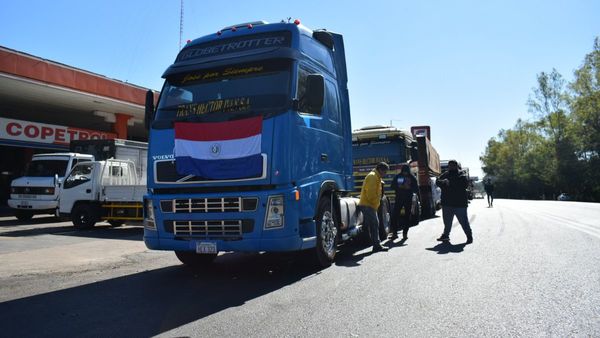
x=375, y=151
x=47, y=168
x=226, y=92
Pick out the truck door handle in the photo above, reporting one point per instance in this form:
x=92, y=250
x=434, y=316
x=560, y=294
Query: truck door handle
x=88, y=190
x=324, y=157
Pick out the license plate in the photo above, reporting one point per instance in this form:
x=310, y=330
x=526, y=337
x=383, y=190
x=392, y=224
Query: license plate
x=206, y=248
x=28, y=196
x=24, y=204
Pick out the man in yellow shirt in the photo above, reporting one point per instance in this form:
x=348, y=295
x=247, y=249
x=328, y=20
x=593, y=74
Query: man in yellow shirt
x=370, y=198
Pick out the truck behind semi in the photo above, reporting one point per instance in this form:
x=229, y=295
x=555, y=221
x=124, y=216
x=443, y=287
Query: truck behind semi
x=250, y=146
x=397, y=147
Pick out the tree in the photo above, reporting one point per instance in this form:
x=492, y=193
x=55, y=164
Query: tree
x=559, y=151
x=585, y=106
x=550, y=106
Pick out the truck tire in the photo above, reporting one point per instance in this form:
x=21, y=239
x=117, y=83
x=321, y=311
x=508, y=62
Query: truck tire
x=194, y=260
x=83, y=216
x=23, y=216
x=327, y=233
x=383, y=214
x=115, y=224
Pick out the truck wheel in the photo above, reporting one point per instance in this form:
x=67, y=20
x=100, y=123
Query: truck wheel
x=327, y=233
x=194, y=260
x=383, y=214
x=83, y=216
x=23, y=216
x=115, y=223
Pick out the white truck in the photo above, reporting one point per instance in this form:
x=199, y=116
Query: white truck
x=109, y=190
x=38, y=191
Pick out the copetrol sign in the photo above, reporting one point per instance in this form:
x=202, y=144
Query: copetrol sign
x=18, y=130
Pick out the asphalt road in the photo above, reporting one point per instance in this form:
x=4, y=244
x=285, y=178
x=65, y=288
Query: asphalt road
x=531, y=271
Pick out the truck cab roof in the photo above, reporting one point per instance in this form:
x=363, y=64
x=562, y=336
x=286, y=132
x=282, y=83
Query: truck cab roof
x=78, y=155
x=380, y=132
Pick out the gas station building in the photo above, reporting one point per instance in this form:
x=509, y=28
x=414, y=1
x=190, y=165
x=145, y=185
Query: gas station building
x=45, y=104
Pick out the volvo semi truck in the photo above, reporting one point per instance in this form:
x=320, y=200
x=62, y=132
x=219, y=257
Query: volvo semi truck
x=250, y=146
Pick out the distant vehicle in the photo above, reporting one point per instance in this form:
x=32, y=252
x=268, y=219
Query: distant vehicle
x=564, y=197
x=37, y=191
x=478, y=194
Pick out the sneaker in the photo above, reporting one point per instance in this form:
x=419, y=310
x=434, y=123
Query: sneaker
x=380, y=248
x=444, y=238
x=392, y=236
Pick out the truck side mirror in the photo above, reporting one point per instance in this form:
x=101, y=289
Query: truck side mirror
x=315, y=92
x=149, y=111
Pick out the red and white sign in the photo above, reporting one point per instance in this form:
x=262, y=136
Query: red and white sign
x=47, y=133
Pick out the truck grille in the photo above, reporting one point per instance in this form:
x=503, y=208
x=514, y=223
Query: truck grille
x=205, y=205
x=210, y=229
x=33, y=190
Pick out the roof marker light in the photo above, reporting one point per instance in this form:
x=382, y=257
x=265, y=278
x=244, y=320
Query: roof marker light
x=296, y=22
x=219, y=33
x=233, y=29
x=188, y=41
x=250, y=26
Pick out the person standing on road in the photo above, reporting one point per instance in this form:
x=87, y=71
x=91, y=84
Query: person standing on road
x=404, y=185
x=489, y=191
x=370, y=198
x=454, y=200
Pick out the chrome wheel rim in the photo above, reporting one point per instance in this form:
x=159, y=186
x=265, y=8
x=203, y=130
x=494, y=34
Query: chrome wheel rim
x=328, y=233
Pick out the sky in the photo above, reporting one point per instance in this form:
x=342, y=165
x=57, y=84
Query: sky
x=465, y=68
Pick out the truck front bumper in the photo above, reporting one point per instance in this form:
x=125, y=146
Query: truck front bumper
x=33, y=205
x=297, y=233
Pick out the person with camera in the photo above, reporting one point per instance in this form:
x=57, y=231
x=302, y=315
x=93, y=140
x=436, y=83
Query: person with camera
x=454, y=185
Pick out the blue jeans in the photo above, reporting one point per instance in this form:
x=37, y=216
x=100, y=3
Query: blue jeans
x=461, y=214
x=371, y=221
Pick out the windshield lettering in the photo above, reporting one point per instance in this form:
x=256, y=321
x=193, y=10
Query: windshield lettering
x=240, y=44
x=233, y=71
x=240, y=104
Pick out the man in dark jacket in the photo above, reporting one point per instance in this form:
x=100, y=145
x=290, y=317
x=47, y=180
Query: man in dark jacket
x=489, y=191
x=454, y=200
x=404, y=185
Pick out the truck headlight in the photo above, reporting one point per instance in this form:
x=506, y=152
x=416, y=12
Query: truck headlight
x=275, y=212
x=149, y=215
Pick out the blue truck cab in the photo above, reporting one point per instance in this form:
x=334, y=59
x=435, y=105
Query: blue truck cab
x=294, y=81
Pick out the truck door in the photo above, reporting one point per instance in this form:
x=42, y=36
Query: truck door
x=78, y=186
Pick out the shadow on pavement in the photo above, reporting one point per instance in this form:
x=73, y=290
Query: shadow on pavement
x=149, y=303
x=13, y=221
x=100, y=231
x=447, y=247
